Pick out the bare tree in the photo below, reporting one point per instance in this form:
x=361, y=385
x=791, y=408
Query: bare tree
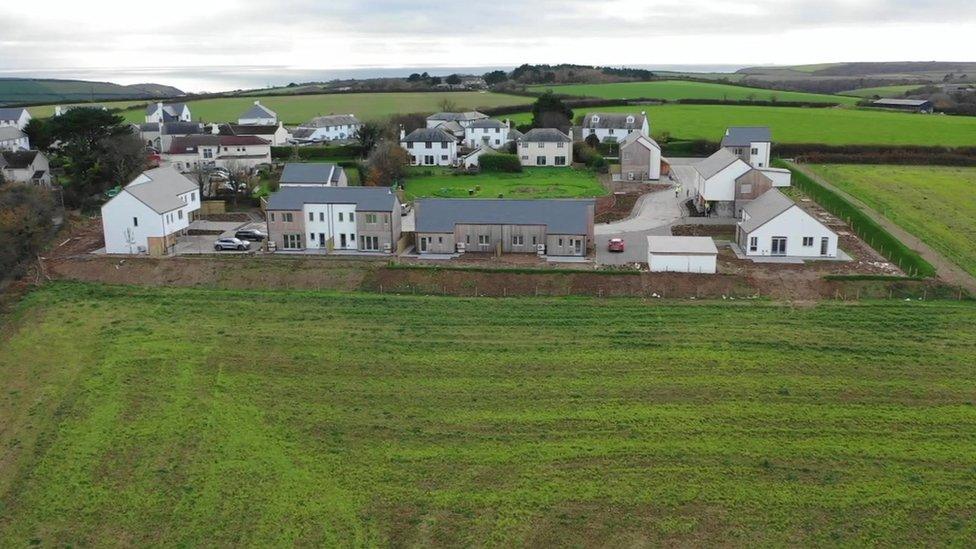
x=387, y=164
x=446, y=105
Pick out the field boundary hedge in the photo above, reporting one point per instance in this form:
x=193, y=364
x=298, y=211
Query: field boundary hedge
x=864, y=226
x=914, y=155
x=351, y=152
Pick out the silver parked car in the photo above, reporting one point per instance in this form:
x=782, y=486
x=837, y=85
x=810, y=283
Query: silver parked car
x=231, y=244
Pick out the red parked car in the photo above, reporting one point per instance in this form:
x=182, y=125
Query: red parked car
x=616, y=245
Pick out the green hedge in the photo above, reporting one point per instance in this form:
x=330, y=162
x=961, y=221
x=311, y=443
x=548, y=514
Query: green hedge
x=317, y=153
x=499, y=163
x=867, y=229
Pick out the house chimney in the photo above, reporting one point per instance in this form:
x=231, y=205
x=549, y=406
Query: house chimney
x=403, y=133
x=215, y=129
x=256, y=102
x=570, y=134
x=159, y=110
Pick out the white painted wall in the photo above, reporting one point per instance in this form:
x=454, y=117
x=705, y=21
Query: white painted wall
x=20, y=123
x=529, y=153
x=619, y=133
x=780, y=177
x=794, y=224
x=759, y=155
x=444, y=153
x=332, y=220
x=494, y=137
x=17, y=144
x=681, y=263
x=721, y=186
x=331, y=133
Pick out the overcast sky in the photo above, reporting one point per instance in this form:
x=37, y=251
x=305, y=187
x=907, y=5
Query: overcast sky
x=331, y=34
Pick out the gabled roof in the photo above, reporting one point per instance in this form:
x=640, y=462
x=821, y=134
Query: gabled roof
x=636, y=136
x=435, y=215
x=192, y=143
x=11, y=114
x=545, y=135
x=332, y=120
x=17, y=160
x=321, y=173
x=172, y=109
x=248, y=129
x=258, y=110
x=8, y=133
x=457, y=116
x=697, y=245
x=302, y=133
x=766, y=207
x=160, y=189
x=429, y=134
x=372, y=199
x=451, y=126
x=716, y=163
x=181, y=128
x=600, y=120
x=743, y=136
x=487, y=123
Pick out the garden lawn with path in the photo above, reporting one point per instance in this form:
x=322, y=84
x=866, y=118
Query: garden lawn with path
x=935, y=203
x=831, y=126
x=530, y=183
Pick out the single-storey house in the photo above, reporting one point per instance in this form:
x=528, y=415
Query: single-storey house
x=12, y=139
x=233, y=152
x=545, y=147
x=915, y=105
x=25, y=167
x=172, y=112
x=774, y=225
x=313, y=174
x=430, y=147
x=18, y=117
x=258, y=115
x=640, y=158
x=614, y=127
x=550, y=227
x=149, y=213
x=327, y=128
x=750, y=143
x=303, y=218
x=682, y=254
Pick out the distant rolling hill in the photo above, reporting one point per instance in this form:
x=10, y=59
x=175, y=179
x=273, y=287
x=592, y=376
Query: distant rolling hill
x=34, y=91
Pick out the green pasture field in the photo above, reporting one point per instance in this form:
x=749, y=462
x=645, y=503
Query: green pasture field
x=935, y=203
x=832, y=126
x=47, y=111
x=672, y=90
x=530, y=183
x=200, y=417
x=295, y=109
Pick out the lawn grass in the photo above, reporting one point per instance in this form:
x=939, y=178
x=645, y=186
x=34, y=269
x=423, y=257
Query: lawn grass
x=196, y=417
x=672, y=90
x=832, y=126
x=936, y=204
x=882, y=91
x=530, y=183
x=367, y=106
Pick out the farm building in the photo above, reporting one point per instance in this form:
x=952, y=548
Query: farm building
x=321, y=218
x=774, y=225
x=681, y=254
x=560, y=227
x=640, y=158
x=148, y=214
x=914, y=105
x=323, y=174
x=750, y=143
x=430, y=147
x=545, y=147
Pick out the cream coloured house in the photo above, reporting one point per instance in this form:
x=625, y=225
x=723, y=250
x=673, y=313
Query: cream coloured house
x=545, y=147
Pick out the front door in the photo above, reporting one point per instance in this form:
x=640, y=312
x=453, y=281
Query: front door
x=824, y=245
x=342, y=240
x=321, y=240
x=578, y=246
x=779, y=245
x=423, y=243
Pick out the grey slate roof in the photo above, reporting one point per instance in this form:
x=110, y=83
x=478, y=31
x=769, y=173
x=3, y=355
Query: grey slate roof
x=249, y=129
x=172, y=109
x=636, y=135
x=368, y=199
x=321, y=173
x=10, y=132
x=429, y=134
x=258, y=110
x=435, y=215
x=606, y=120
x=181, y=128
x=11, y=114
x=545, y=135
x=487, y=123
x=715, y=163
x=161, y=191
x=457, y=116
x=766, y=207
x=681, y=245
x=902, y=102
x=743, y=136
x=17, y=160
x=332, y=120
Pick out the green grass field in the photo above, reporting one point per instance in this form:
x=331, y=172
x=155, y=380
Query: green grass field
x=882, y=91
x=194, y=417
x=834, y=126
x=682, y=89
x=936, y=204
x=531, y=183
x=367, y=106
x=46, y=111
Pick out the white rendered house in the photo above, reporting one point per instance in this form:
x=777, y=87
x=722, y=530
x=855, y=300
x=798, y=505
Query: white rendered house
x=148, y=214
x=328, y=128
x=614, y=127
x=430, y=147
x=545, y=147
x=17, y=117
x=258, y=115
x=774, y=225
x=750, y=143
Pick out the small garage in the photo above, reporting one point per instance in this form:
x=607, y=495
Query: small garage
x=681, y=254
